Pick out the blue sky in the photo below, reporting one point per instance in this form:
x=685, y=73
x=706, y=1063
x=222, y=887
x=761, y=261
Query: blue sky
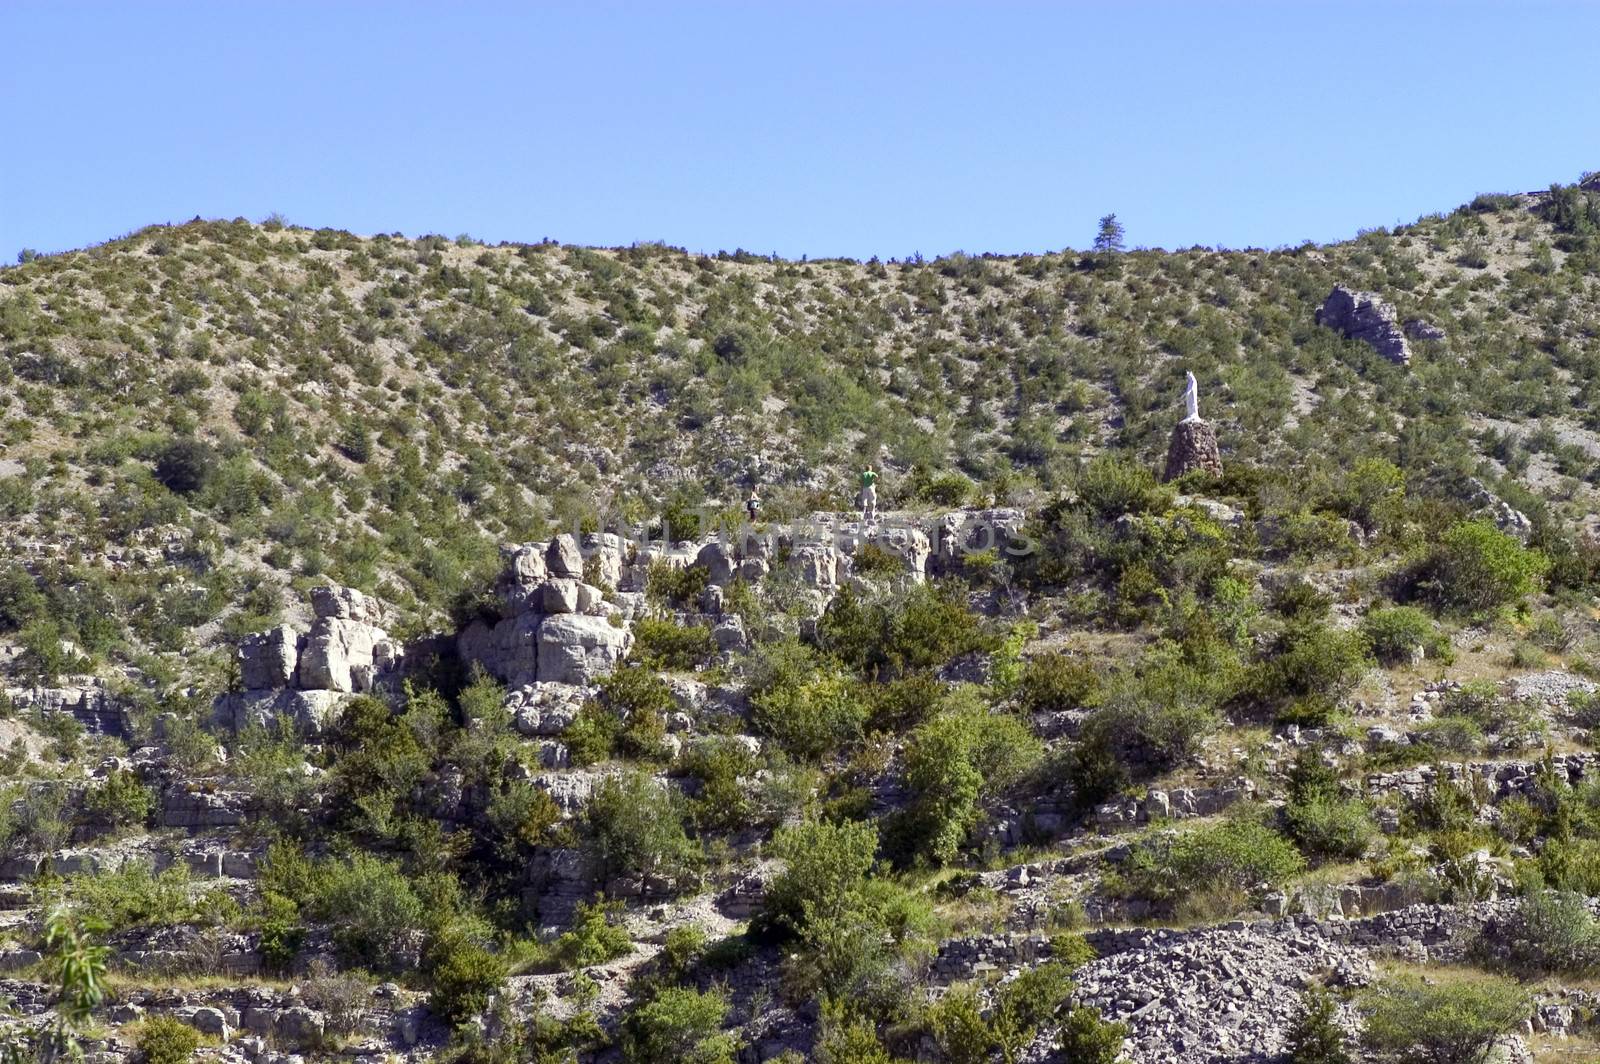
x=807, y=128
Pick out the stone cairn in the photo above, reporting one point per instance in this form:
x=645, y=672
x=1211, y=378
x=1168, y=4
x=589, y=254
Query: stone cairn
x=1194, y=441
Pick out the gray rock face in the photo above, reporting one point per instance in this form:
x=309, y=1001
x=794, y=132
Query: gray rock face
x=309, y=711
x=543, y=710
x=1506, y=518
x=345, y=603
x=578, y=649
x=90, y=703
x=1417, y=329
x=1366, y=317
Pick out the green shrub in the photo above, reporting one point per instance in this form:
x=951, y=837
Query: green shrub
x=21, y=601
x=668, y=585
x=377, y=915
x=1326, y=825
x=666, y=645
x=811, y=718
x=1316, y=1037
x=873, y=561
x=593, y=938
x=1398, y=634
x=723, y=802
x=679, y=1026
x=1054, y=682
x=1321, y=819
x=282, y=933
x=1476, y=569
x=121, y=801
x=1071, y=949
x=1443, y=1021
x=920, y=627
x=1312, y=661
x=592, y=735
x=166, y=1040
x=951, y=763
x=825, y=864
x=184, y=465
x=1551, y=933
x=958, y=1027
x=463, y=976
x=1236, y=855
x=635, y=828
x=1093, y=766
x=1110, y=486
x=1084, y=1037
x=1162, y=710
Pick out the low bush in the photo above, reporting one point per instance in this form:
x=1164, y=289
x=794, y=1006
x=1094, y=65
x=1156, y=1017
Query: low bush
x=1239, y=854
x=1400, y=634
x=1552, y=932
x=811, y=718
x=664, y=644
x=951, y=763
x=1085, y=1037
x=1316, y=1037
x=166, y=1040
x=463, y=975
x=593, y=938
x=1054, y=682
x=1319, y=817
x=1441, y=1021
x=185, y=465
x=679, y=1026
x=1311, y=661
x=635, y=828
x=1477, y=569
x=668, y=585
x=121, y=801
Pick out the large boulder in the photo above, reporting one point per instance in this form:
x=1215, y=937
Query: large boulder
x=564, y=557
x=332, y=602
x=910, y=545
x=577, y=649
x=717, y=557
x=1366, y=317
x=522, y=578
x=267, y=660
x=345, y=655
x=816, y=564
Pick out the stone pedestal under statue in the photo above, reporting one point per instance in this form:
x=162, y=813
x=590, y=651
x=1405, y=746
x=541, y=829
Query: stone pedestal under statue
x=1193, y=446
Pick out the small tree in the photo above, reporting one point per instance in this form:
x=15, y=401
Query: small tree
x=1316, y=1037
x=1477, y=568
x=185, y=464
x=1109, y=240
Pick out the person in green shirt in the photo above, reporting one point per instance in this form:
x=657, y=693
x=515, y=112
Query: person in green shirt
x=869, y=496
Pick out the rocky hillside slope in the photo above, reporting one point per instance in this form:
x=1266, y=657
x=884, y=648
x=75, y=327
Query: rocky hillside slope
x=391, y=671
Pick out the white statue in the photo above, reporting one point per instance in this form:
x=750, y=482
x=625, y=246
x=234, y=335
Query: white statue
x=1191, y=398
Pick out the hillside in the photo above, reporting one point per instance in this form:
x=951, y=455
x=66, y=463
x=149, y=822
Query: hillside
x=356, y=702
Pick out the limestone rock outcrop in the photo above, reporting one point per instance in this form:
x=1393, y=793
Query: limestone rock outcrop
x=301, y=677
x=1365, y=316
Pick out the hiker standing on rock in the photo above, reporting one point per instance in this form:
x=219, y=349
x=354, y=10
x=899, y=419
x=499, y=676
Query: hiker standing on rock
x=752, y=505
x=869, y=496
